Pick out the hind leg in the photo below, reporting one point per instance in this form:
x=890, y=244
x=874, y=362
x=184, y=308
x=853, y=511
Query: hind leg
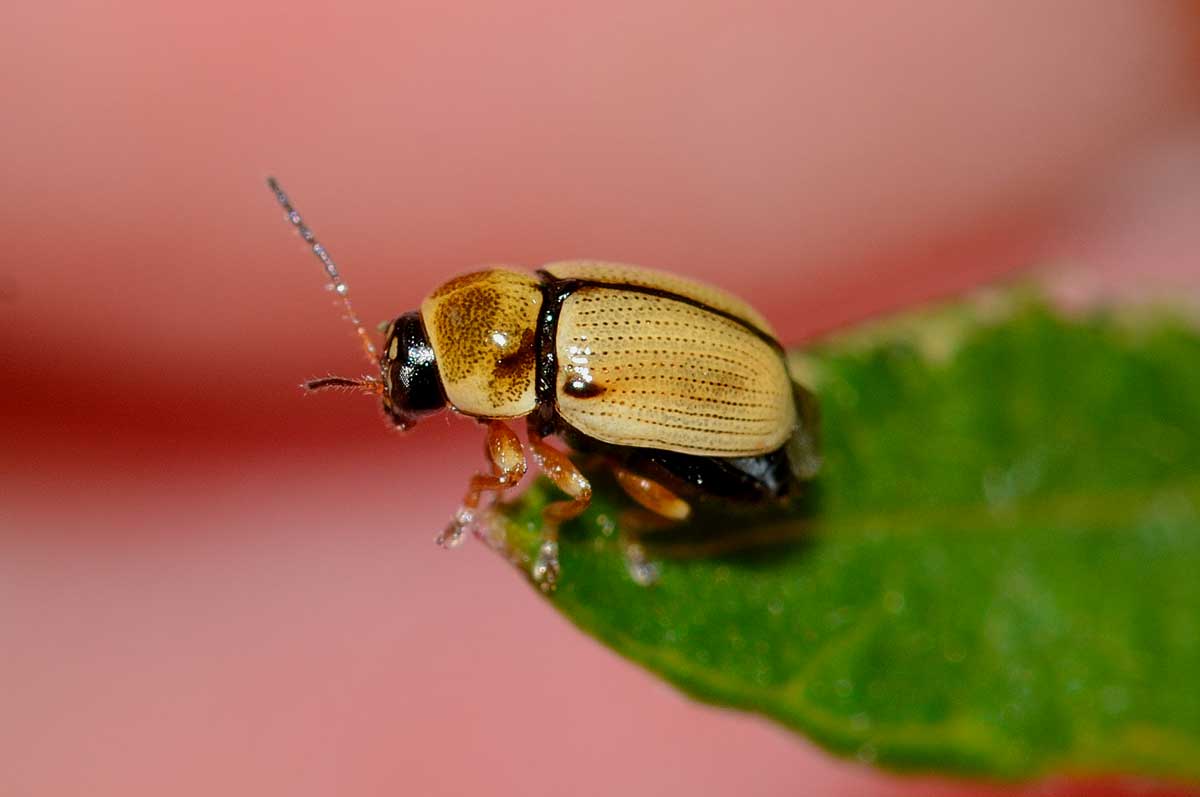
x=667, y=509
x=652, y=495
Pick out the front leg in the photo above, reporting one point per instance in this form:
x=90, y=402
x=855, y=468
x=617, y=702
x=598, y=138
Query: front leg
x=562, y=471
x=503, y=449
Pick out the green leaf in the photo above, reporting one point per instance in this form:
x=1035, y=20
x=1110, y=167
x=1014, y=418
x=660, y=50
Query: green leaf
x=996, y=573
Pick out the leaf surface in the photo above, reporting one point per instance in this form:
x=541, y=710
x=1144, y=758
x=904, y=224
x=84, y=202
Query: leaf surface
x=996, y=573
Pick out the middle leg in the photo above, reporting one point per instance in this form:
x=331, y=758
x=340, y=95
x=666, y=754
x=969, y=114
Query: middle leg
x=559, y=469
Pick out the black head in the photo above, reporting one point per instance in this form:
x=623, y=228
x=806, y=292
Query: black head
x=408, y=369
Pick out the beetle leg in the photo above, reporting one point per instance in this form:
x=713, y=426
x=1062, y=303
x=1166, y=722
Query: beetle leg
x=566, y=477
x=665, y=507
x=652, y=495
x=503, y=449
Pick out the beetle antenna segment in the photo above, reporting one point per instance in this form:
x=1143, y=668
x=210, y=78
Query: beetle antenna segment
x=366, y=383
x=335, y=278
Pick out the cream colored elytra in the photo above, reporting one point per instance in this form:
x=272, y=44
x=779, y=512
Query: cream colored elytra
x=620, y=274
x=671, y=376
x=635, y=367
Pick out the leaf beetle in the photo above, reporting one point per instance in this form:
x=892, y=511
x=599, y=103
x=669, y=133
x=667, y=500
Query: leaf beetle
x=681, y=388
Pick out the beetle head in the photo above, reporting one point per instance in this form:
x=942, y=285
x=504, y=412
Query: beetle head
x=408, y=370
x=408, y=383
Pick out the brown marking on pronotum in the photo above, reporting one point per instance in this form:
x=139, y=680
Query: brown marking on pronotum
x=461, y=282
x=511, y=374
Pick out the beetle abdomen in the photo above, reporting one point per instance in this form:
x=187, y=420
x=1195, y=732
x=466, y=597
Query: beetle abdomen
x=648, y=371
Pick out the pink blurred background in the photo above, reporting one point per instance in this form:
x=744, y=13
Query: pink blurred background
x=212, y=584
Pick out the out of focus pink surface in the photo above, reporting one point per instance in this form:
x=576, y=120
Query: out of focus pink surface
x=212, y=584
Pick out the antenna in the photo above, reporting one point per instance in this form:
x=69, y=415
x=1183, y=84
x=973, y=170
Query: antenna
x=337, y=285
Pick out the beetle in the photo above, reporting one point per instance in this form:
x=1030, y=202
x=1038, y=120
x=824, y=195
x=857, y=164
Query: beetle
x=680, y=387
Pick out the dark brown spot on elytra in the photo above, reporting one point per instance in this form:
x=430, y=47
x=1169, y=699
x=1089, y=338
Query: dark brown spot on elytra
x=580, y=388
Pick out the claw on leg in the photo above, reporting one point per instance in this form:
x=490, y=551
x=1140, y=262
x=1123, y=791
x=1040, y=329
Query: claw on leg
x=477, y=522
x=452, y=536
x=545, y=568
x=643, y=571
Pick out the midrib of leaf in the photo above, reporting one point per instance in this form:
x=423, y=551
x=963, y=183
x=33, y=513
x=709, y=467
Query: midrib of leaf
x=1090, y=509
